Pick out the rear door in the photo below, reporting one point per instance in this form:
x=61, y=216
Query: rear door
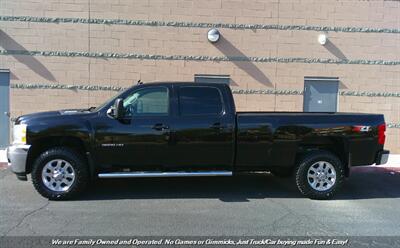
x=203, y=128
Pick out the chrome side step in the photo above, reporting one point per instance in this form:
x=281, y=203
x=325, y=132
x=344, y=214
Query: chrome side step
x=164, y=174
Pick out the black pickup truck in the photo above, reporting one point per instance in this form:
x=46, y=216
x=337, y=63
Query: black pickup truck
x=190, y=129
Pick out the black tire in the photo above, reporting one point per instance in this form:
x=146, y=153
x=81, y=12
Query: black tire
x=74, y=159
x=301, y=175
x=284, y=173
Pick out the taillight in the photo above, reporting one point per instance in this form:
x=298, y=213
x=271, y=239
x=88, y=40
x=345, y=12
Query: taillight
x=381, y=133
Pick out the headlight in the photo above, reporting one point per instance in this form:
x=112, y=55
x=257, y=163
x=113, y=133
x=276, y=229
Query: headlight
x=19, y=134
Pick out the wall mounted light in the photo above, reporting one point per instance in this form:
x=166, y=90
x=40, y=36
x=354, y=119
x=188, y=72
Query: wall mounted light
x=322, y=39
x=213, y=35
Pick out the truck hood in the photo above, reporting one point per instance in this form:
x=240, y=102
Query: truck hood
x=28, y=117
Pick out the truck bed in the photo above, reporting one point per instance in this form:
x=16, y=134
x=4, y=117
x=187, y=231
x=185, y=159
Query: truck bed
x=272, y=139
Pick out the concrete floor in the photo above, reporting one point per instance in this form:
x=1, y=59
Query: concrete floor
x=260, y=205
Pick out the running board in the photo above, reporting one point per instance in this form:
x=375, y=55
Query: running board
x=164, y=174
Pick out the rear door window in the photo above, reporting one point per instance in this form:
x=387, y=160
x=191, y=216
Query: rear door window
x=200, y=100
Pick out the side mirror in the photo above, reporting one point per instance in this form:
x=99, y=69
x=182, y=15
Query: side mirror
x=118, y=108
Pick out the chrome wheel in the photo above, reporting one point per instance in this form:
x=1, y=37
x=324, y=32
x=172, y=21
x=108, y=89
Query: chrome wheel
x=58, y=175
x=321, y=176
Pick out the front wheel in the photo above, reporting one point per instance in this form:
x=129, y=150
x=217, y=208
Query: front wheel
x=319, y=175
x=59, y=173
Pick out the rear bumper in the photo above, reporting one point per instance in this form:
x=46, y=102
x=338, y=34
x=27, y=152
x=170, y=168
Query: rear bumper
x=16, y=156
x=382, y=157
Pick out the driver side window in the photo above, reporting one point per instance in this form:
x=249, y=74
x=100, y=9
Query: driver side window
x=153, y=101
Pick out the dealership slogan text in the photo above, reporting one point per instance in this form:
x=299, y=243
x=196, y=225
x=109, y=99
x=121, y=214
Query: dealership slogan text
x=206, y=241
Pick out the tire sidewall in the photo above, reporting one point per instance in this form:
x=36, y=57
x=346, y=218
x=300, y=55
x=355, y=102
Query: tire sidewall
x=76, y=163
x=302, y=175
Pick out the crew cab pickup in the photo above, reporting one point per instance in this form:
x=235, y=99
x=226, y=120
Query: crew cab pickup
x=190, y=130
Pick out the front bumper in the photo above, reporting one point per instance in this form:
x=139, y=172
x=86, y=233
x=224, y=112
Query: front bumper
x=382, y=157
x=16, y=156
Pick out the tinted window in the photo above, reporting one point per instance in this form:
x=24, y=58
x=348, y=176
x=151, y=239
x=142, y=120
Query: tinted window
x=199, y=101
x=149, y=101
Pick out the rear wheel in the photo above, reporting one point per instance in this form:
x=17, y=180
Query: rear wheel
x=59, y=173
x=319, y=175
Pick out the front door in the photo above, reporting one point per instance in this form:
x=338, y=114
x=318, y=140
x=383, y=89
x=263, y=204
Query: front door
x=140, y=140
x=4, y=108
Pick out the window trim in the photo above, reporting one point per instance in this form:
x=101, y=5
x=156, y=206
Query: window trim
x=152, y=115
x=221, y=113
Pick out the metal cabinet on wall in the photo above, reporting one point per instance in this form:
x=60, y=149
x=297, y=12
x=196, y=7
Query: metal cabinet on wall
x=4, y=107
x=320, y=94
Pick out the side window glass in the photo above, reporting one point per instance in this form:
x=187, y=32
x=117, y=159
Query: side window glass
x=147, y=102
x=195, y=100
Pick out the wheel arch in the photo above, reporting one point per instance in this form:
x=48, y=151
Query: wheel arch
x=335, y=145
x=43, y=144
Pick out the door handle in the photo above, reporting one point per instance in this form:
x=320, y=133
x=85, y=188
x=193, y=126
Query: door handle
x=160, y=127
x=217, y=125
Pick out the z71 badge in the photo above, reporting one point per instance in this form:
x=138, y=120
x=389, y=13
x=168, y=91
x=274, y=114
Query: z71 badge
x=361, y=128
